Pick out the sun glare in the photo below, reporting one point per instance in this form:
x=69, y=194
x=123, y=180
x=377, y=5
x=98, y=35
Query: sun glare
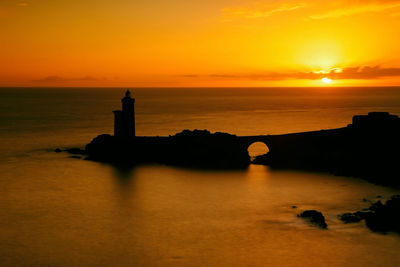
x=326, y=80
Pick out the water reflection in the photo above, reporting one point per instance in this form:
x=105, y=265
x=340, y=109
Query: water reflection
x=158, y=216
x=124, y=180
x=258, y=172
x=124, y=173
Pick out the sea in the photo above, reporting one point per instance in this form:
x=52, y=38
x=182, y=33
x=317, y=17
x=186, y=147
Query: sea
x=56, y=210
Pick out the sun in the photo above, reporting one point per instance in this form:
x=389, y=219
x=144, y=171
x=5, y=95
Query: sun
x=326, y=80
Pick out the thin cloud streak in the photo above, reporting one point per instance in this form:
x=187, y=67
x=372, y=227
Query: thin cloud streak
x=350, y=73
x=55, y=79
x=259, y=10
x=358, y=9
x=365, y=73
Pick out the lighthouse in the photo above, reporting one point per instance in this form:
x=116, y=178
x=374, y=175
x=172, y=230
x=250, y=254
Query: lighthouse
x=124, y=120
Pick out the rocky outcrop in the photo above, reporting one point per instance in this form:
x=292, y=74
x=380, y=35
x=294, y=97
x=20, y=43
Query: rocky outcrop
x=198, y=148
x=378, y=217
x=363, y=149
x=314, y=217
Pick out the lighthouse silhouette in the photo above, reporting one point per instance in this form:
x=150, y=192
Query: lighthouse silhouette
x=124, y=120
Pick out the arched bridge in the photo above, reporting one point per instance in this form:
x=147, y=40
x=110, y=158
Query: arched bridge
x=363, y=148
x=247, y=141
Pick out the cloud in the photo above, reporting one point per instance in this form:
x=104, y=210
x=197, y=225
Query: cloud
x=260, y=10
x=6, y=6
x=365, y=73
x=90, y=78
x=51, y=79
x=55, y=79
x=315, y=9
x=350, y=73
x=349, y=8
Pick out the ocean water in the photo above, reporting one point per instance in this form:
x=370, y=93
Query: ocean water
x=60, y=211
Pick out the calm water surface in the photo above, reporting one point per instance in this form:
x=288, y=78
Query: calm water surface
x=59, y=211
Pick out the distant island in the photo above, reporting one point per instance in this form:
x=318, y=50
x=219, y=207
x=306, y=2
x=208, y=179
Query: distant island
x=367, y=148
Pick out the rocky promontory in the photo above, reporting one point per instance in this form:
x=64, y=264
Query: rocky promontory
x=198, y=148
x=366, y=148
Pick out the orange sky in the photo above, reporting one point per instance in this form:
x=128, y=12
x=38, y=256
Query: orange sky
x=199, y=43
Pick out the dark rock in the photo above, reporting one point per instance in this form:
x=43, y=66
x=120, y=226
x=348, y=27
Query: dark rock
x=342, y=151
x=376, y=206
x=75, y=157
x=58, y=150
x=362, y=214
x=378, y=217
x=198, y=148
x=294, y=207
x=350, y=217
x=314, y=217
x=385, y=218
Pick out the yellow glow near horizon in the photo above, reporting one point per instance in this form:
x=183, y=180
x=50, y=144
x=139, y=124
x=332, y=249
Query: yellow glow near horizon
x=197, y=43
x=326, y=80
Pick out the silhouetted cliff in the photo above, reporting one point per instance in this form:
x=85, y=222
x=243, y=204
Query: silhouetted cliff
x=188, y=148
x=367, y=148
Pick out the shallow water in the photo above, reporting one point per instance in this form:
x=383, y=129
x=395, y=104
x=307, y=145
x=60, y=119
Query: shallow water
x=56, y=210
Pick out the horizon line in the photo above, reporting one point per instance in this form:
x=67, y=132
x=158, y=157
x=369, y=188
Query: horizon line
x=193, y=87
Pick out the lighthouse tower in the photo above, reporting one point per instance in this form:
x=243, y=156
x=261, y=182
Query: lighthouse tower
x=124, y=120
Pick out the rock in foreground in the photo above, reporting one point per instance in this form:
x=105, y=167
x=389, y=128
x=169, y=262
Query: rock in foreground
x=378, y=217
x=315, y=217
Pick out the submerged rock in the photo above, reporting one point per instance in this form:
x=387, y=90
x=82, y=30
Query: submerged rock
x=385, y=217
x=315, y=217
x=58, y=150
x=75, y=151
x=351, y=217
x=378, y=217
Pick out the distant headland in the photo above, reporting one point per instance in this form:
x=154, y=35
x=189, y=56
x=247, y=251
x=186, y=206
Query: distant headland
x=367, y=148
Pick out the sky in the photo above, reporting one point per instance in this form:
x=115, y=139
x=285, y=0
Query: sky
x=196, y=43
